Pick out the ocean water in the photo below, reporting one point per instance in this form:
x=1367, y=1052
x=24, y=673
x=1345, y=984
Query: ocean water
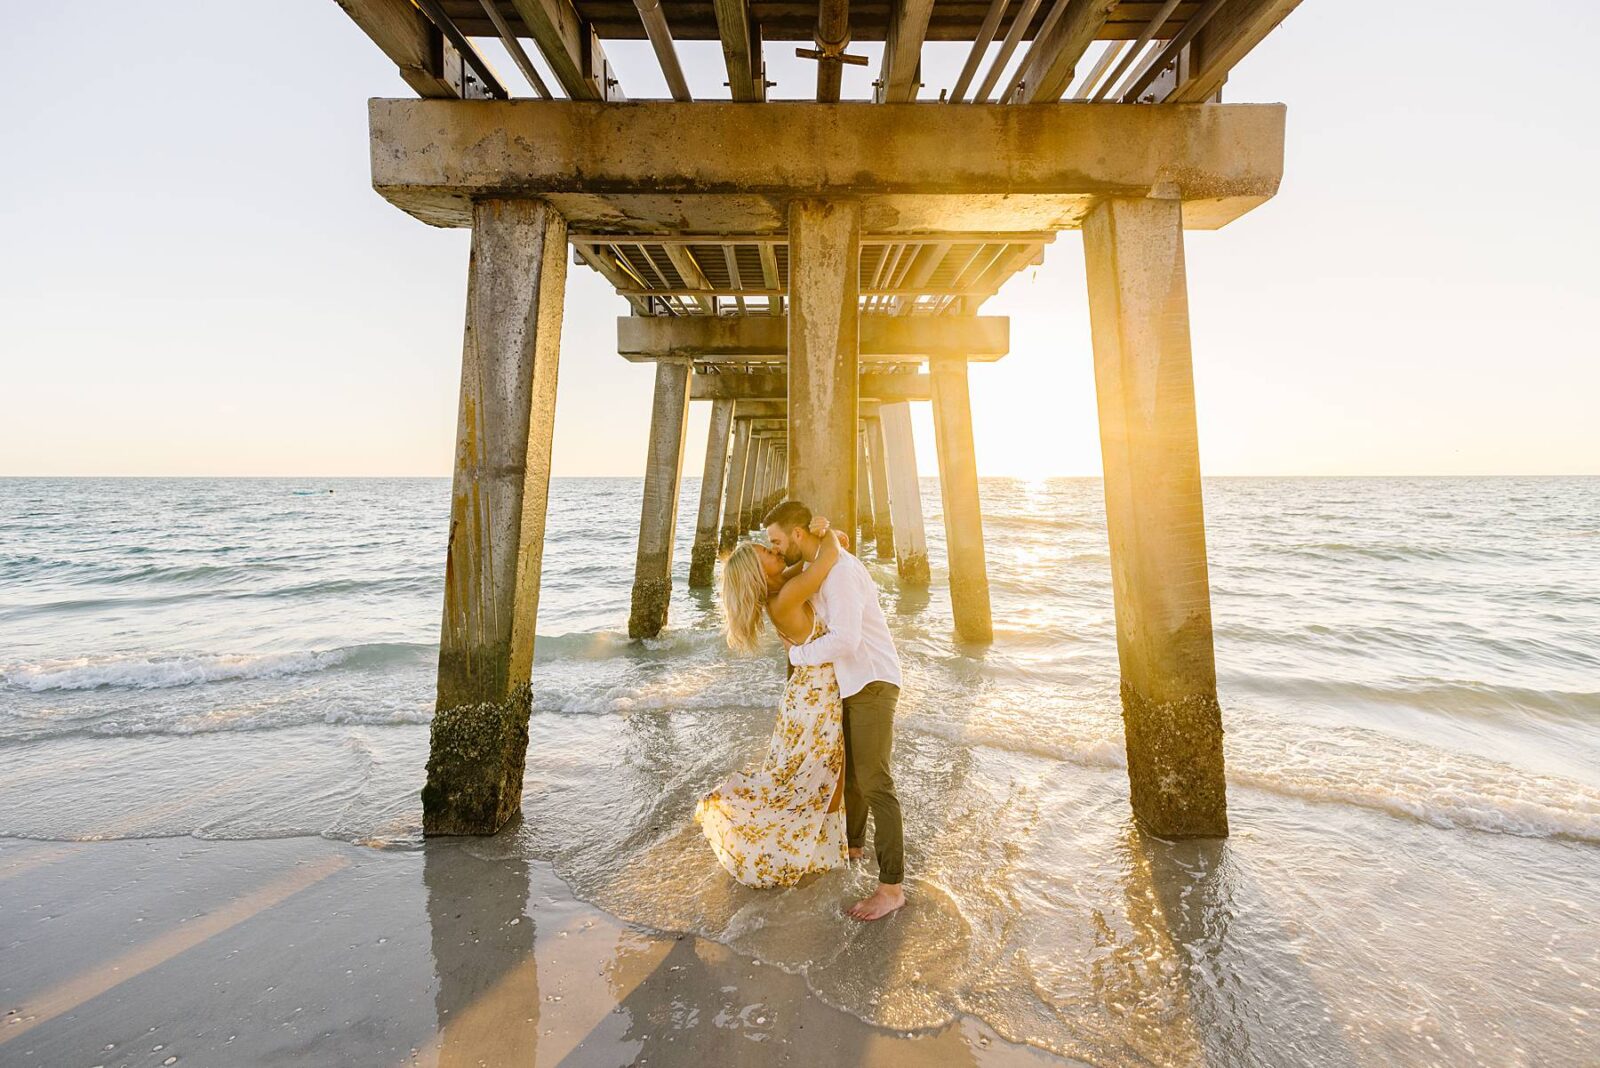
x=1410, y=678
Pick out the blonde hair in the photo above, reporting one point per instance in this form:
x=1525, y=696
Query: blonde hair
x=744, y=595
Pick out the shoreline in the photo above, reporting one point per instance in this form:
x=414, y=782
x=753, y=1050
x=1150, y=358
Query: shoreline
x=309, y=950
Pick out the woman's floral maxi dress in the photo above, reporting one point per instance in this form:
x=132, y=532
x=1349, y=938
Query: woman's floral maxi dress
x=771, y=826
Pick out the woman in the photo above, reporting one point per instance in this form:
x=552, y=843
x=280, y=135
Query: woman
x=783, y=821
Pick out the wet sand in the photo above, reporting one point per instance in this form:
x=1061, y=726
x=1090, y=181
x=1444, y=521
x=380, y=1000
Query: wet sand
x=307, y=951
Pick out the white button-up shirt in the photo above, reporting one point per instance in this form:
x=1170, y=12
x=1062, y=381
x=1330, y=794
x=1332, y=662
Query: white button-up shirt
x=857, y=643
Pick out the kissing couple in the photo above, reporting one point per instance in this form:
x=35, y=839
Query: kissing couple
x=776, y=824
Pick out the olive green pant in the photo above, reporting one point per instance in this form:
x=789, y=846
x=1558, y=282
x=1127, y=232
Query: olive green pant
x=868, y=786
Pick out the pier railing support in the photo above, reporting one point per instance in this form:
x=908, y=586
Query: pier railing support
x=958, y=488
x=1144, y=381
x=652, y=576
x=734, y=503
x=905, y=495
x=882, y=518
x=479, y=738
x=824, y=353
x=703, y=556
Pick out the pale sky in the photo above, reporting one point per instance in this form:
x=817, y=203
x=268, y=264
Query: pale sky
x=196, y=277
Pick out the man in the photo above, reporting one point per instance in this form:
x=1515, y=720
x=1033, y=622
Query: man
x=863, y=656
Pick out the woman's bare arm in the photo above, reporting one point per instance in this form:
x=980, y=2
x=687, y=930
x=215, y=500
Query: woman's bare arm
x=804, y=585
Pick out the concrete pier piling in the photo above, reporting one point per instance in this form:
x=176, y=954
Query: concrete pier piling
x=652, y=576
x=824, y=355
x=882, y=518
x=510, y=351
x=703, y=555
x=1144, y=381
x=958, y=488
x=905, y=495
x=734, y=502
x=748, y=517
x=863, y=490
x=879, y=229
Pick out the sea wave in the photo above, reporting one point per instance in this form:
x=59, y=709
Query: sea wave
x=143, y=671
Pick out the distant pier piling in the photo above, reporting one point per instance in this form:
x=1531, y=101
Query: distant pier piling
x=703, y=555
x=652, y=576
x=882, y=513
x=905, y=495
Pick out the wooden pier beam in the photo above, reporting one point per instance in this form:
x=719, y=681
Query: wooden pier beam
x=479, y=738
x=958, y=488
x=882, y=516
x=703, y=555
x=1144, y=381
x=905, y=495
x=732, y=505
x=824, y=354
x=652, y=575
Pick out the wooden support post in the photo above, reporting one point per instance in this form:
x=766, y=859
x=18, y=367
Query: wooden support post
x=905, y=495
x=882, y=519
x=652, y=575
x=958, y=488
x=1144, y=381
x=824, y=353
x=863, y=491
x=703, y=556
x=750, y=507
x=732, y=507
x=479, y=737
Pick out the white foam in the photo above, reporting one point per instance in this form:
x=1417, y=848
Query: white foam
x=144, y=672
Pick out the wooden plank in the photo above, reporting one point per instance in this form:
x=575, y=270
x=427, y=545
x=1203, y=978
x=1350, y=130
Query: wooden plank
x=1226, y=39
x=693, y=276
x=898, y=77
x=514, y=49
x=741, y=50
x=1009, y=45
x=1173, y=49
x=1047, y=71
x=412, y=43
x=980, y=47
x=481, y=71
x=1150, y=30
x=571, y=48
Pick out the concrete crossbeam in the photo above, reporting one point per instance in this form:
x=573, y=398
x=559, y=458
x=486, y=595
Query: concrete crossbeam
x=760, y=387
x=666, y=166
x=749, y=338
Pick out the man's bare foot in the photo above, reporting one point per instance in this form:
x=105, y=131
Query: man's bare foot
x=856, y=852
x=883, y=901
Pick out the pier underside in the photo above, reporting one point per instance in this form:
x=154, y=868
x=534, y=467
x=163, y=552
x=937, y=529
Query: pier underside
x=810, y=292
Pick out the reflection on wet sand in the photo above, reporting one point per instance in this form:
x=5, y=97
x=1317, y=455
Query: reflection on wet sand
x=1182, y=981
x=487, y=1001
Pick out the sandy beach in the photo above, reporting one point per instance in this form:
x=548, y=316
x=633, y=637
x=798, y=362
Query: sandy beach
x=309, y=952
